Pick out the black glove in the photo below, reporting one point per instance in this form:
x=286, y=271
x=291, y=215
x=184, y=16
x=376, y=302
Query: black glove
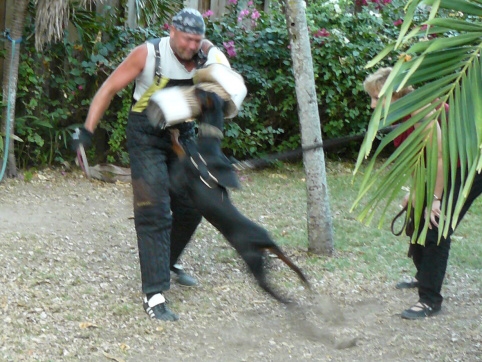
x=81, y=137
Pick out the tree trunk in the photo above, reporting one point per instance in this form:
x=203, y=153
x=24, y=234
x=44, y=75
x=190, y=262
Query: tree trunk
x=357, y=5
x=10, y=79
x=320, y=225
x=131, y=14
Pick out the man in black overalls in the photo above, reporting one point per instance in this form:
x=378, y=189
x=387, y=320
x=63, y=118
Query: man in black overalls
x=165, y=220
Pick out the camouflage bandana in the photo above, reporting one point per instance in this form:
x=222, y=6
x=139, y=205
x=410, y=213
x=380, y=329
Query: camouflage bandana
x=189, y=21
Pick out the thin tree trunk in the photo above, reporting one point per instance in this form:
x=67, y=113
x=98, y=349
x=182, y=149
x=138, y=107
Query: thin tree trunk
x=10, y=79
x=131, y=14
x=320, y=224
x=357, y=6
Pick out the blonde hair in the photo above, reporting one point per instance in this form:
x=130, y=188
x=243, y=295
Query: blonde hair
x=373, y=84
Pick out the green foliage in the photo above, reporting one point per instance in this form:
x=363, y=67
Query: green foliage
x=442, y=64
x=249, y=141
x=260, y=52
x=341, y=42
x=55, y=87
x=28, y=176
x=117, y=131
x=150, y=11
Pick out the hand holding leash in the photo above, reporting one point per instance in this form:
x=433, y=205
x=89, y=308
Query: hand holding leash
x=81, y=136
x=82, y=139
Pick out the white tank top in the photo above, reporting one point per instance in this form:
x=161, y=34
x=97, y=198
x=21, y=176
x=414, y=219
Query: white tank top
x=170, y=65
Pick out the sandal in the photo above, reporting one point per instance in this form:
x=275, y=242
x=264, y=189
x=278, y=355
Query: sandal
x=419, y=311
x=406, y=285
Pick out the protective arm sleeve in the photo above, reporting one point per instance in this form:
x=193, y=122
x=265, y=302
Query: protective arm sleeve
x=216, y=56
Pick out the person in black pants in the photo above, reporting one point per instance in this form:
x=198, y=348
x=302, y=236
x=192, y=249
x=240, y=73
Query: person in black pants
x=165, y=220
x=429, y=259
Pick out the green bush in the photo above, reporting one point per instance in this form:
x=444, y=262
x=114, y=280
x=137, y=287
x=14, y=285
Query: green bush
x=55, y=88
x=342, y=42
x=258, y=49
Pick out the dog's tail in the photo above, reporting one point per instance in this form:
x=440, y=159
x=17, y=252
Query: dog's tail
x=282, y=256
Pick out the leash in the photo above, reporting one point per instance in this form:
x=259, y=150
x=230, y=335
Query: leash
x=82, y=159
x=401, y=213
x=288, y=155
x=8, y=120
x=81, y=155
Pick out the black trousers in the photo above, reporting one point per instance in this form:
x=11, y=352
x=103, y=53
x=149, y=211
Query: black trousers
x=165, y=219
x=431, y=259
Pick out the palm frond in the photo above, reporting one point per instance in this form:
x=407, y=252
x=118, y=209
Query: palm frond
x=149, y=12
x=444, y=70
x=52, y=17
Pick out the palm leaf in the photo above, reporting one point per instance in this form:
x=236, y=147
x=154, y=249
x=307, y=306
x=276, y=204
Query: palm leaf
x=148, y=12
x=52, y=17
x=443, y=70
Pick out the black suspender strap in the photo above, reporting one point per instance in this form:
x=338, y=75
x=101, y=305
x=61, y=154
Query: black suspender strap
x=158, y=66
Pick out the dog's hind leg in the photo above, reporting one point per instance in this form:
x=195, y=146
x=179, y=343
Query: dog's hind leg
x=282, y=256
x=255, y=261
x=248, y=238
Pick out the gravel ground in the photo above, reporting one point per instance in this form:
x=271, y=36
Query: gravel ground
x=70, y=291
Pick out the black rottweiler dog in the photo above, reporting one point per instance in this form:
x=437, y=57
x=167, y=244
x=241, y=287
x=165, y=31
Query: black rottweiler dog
x=206, y=173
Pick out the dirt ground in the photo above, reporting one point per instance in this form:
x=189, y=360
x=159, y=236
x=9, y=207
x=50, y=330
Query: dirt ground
x=70, y=291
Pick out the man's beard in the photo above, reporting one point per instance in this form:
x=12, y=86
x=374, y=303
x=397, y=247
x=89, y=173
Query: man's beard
x=184, y=54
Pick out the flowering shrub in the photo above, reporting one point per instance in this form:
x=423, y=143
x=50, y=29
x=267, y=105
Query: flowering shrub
x=257, y=46
x=55, y=87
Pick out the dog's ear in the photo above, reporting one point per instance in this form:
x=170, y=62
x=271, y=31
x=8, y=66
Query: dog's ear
x=202, y=97
x=209, y=100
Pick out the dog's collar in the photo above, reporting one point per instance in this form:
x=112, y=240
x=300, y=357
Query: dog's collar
x=206, y=177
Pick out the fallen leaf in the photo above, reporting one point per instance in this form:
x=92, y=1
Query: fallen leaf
x=114, y=358
x=86, y=325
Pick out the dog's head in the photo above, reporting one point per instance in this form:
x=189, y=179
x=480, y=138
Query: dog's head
x=212, y=108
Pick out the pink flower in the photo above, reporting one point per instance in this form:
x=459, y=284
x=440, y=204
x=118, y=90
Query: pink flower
x=80, y=87
x=321, y=33
x=229, y=46
x=208, y=13
x=398, y=22
x=234, y=2
x=250, y=3
x=165, y=26
x=255, y=15
x=242, y=14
